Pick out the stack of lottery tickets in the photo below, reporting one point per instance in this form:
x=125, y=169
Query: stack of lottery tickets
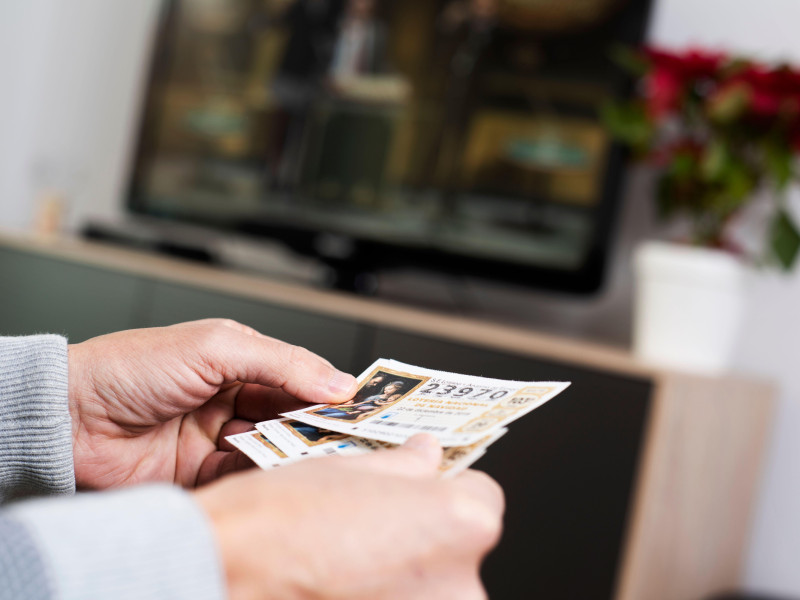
x=394, y=402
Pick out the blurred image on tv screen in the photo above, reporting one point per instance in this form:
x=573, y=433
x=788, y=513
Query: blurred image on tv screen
x=466, y=126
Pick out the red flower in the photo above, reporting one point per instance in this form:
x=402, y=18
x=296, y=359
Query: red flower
x=773, y=92
x=673, y=73
x=663, y=92
x=765, y=103
x=664, y=155
x=686, y=66
x=782, y=81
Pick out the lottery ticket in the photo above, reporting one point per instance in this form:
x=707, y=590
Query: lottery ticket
x=301, y=440
x=266, y=454
x=396, y=400
x=283, y=441
x=458, y=458
x=259, y=449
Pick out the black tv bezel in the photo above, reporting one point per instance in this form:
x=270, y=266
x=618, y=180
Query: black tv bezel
x=369, y=255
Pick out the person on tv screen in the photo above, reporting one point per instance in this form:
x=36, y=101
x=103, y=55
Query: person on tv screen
x=361, y=45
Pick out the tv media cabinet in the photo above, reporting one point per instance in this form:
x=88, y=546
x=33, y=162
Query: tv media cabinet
x=636, y=483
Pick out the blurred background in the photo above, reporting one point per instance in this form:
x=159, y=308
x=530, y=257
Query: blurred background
x=322, y=142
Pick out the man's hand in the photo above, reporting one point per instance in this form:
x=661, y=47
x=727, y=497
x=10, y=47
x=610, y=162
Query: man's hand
x=153, y=404
x=375, y=527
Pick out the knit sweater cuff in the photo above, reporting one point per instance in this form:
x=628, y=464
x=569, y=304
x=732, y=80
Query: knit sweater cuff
x=35, y=424
x=144, y=542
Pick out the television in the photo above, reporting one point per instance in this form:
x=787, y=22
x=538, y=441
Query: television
x=461, y=136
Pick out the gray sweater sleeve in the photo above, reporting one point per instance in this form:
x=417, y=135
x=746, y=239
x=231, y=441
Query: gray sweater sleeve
x=35, y=426
x=142, y=542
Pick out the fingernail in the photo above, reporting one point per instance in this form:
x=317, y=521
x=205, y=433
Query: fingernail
x=342, y=383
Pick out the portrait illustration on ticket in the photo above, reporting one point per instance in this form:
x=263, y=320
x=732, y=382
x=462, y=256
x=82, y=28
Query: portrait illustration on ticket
x=301, y=440
x=311, y=436
x=381, y=389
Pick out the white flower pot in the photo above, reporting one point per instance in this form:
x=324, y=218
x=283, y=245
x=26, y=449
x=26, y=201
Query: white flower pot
x=689, y=306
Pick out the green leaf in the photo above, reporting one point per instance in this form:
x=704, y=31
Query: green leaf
x=628, y=123
x=739, y=182
x=785, y=240
x=779, y=159
x=729, y=104
x=716, y=159
x=683, y=167
x=629, y=59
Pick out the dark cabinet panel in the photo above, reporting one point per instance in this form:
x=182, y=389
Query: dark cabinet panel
x=40, y=294
x=567, y=469
x=331, y=338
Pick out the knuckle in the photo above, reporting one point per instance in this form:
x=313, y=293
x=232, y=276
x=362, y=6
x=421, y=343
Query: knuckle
x=212, y=322
x=298, y=356
x=213, y=334
x=487, y=531
x=220, y=330
x=492, y=488
x=479, y=523
x=211, y=339
x=214, y=326
x=494, y=533
x=200, y=331
x=227, y=323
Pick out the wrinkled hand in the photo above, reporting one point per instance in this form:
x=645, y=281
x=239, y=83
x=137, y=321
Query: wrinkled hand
x=153, y=404
x=381, y=526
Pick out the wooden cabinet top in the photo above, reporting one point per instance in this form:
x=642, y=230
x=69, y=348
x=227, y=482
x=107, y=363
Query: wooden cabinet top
x=485, y=334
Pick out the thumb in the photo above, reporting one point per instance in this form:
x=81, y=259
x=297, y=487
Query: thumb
x=241, y=355
x=419, y=457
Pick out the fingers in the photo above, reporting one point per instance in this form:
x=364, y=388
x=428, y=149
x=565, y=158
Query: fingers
x=424, y=446
x=241, y=355
x=250, y=331
x=459, y=585
x=233, y=427
x=418, y=457
x=479, y=485
x=221, y=463
x=479, y=504
x=258, y=403
x=231, y=324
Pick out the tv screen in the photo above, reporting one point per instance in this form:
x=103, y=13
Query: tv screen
x=460, y=135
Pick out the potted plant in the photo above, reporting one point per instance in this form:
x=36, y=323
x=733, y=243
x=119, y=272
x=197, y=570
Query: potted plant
x=722, y=134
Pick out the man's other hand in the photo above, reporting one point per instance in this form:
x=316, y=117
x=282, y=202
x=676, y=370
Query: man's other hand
x=381, y=526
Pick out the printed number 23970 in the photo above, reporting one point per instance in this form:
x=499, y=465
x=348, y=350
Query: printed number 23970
x=453, y=391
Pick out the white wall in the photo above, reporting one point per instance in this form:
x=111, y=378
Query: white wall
x=768, y=28
x=24, y=25
x=74, y=70
x=70, y=75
